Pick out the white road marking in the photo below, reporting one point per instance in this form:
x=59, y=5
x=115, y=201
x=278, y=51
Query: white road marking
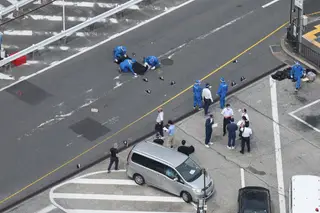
x=277, y=143
x=304, y=107
x=302, y=121
x=99, y=44
x=47, y=209
x=82, y=4
x=168, y=199
x=13, y=1
x=48, y=33
x=59, y=18
x=270, y=3
x=113, y=211
x=201, y=37
x=104, y=181
x=6, y=77
x=243, y=183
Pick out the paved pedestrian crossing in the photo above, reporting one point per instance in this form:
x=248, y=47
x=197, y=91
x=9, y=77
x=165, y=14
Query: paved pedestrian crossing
x=102, y=192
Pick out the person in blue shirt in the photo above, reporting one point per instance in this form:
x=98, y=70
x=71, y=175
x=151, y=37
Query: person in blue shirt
x=197, y=95
x=222, y=92
x=151, y=62
x=119, y=52
x=126, y=66
x=296, y=73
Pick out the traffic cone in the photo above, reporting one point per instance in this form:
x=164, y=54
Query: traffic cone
x=172, y=83
x=148, y=91
x=161, y=78
x=145, y=79
x=235, y=61
x=78, y=166
x=125, y=143
x=242, y=78
x=233, y=83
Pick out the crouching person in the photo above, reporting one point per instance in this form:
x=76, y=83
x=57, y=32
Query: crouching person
x=151, y=62
x=119, y=54
x=126, y=66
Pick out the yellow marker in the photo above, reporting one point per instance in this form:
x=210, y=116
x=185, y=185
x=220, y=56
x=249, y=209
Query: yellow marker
x=311, y=36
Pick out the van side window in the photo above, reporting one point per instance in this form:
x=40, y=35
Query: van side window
x=170, y=173
x=149, y=163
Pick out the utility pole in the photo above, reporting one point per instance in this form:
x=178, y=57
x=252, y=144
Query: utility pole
x=295, y=29
x=202, y=207
x=63, y=17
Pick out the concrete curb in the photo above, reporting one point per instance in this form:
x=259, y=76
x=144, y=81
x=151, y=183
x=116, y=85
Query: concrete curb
x=296, y=57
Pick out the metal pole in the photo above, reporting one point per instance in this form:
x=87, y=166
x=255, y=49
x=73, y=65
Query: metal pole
x=290, y=19
x=300, y=14
x=63, y=17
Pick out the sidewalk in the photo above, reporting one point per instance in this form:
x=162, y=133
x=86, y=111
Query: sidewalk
x=311, y=28
x=265, y=166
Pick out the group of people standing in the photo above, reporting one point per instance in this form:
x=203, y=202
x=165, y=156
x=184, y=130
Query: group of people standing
x=231, y=127
x=126, y=64
x=202, y=97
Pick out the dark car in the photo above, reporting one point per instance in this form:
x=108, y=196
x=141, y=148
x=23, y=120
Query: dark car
x=253, y=199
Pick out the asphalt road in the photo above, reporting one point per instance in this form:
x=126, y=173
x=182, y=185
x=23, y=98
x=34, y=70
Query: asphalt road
x=37, y=120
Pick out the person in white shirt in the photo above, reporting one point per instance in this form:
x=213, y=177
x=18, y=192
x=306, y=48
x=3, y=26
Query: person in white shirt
x=159, y=122
x=245, y=139
x=245, y=114
x=227, y=113
x=207, y=98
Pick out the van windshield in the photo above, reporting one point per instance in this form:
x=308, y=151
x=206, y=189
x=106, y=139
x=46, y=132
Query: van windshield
x=189, y=170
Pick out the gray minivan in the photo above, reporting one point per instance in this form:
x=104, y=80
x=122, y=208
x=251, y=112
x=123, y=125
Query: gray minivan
x=168, y=170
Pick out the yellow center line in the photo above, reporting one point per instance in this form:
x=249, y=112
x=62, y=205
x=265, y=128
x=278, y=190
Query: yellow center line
x=145, y=115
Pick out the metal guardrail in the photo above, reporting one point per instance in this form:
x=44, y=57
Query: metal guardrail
x=310, y=54
x=68, y=32
x=14, y=7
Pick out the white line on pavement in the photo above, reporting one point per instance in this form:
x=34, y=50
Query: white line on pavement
x=99, y=44
x=13, y=1
x=104, y=181
x=82, y=4
x=306, y=106
x=47, y=209
x=116, y=197
x=59, y=18
x=6, y=77
x=113, y=211
x=243, y=183
x=277, y=143
x=270, y=3
x=302, y=121
x=50, y=33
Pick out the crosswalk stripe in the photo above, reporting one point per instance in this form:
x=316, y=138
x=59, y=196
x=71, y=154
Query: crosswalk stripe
x=13, y=1
x=82, y=4
x=59, y=18
x=113, y=211
x=48, y=33
x=104, y=181
x=116, y=197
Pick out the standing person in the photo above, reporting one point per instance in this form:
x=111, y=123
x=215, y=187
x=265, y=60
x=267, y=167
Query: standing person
x=1, y=40
x=232, y=128
x=245, y=139
x=207, y=98
x=296, y=74
x=222, y=92
x=227, y=115
x=208, y=125
x=242, y=123
x=245, y=114
x=197, y=93
x=113, y=157
x=171, y=131
x=159, y=122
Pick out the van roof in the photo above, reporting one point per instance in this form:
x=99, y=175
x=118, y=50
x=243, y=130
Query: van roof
x=305, y=193
x=163, y=154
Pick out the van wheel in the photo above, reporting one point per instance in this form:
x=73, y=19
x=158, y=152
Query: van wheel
x=138, y=179
x=186, y=197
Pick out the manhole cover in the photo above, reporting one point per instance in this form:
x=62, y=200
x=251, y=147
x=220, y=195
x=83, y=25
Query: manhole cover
x=167, y=61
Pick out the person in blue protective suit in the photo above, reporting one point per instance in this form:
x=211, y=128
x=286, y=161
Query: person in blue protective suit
x=126, y=66
x=296, y=73
x=119, y=53
x=151, y=62
x=197, y=95
x=222, y=92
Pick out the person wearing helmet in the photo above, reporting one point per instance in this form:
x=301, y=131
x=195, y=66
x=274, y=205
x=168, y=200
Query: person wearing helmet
x=126, y=66
x=296, y=73
x=151, y=62
x=222, y=92
x=119, y=54
x=197, y=95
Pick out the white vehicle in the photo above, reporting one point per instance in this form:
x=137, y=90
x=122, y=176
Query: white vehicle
x=304, y=194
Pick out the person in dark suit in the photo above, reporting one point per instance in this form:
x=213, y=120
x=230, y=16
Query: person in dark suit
x=187, y=150
x=208, y=125
x=232, y=128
